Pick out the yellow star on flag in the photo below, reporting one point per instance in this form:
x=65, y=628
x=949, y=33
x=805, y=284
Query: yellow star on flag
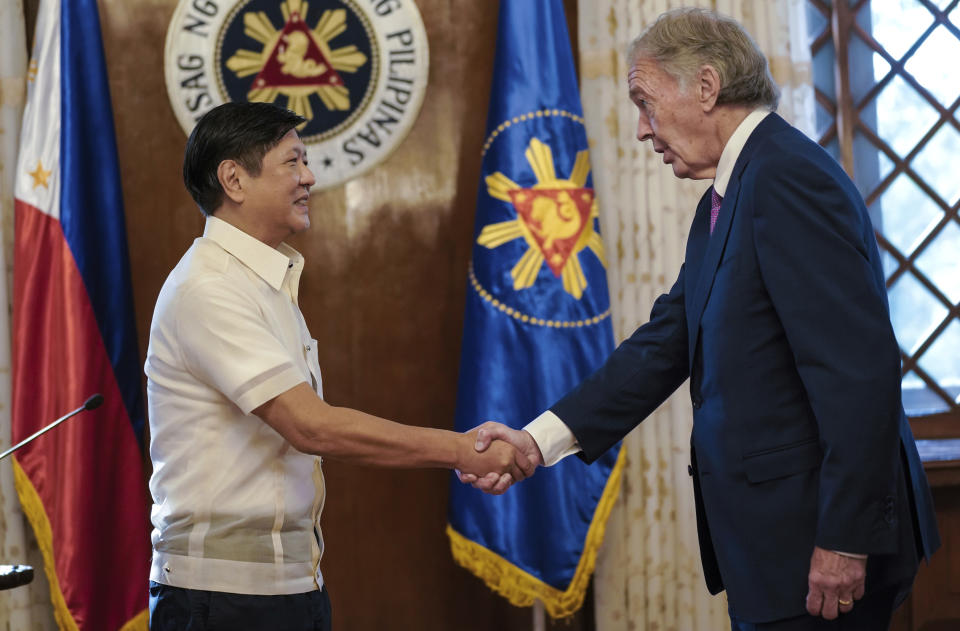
x=39, y=176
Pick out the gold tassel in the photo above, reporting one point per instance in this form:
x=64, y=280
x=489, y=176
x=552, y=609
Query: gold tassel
x=521, y=588
x=37, y=516
x=139, y=622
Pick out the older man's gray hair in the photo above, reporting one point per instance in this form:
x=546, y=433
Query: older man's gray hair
x=682, y=41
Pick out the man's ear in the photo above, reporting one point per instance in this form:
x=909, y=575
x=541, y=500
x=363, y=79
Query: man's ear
x=708, y=87
x=228, y=173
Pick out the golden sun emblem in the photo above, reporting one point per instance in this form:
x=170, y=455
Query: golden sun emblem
x=555, y=217
x=297, y=61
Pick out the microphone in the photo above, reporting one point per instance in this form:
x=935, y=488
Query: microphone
x=90, y=404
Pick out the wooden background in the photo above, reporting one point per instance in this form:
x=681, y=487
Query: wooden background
x=383, y=292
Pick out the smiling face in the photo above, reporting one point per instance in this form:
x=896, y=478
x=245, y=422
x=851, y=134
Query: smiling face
x=276, y=202
x=674, y=118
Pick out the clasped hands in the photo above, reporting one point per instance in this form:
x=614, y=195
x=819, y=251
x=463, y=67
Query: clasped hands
x=497, y=457
x=835, y=581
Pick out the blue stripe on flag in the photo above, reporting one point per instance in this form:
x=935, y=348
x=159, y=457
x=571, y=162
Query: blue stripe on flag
x=91, y=204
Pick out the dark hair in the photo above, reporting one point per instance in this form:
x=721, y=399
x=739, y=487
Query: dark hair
x=238, y=131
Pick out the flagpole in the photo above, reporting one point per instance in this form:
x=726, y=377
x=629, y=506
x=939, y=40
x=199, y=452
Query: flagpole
x=539, y=617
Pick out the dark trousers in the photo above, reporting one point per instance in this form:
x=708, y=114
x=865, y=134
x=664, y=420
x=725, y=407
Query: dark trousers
x=873, y=612
x=178, y=609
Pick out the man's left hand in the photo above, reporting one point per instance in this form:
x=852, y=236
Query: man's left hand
x=835, y=582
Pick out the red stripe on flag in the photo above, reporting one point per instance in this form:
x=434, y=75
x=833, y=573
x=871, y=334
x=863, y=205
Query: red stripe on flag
x=87, y=472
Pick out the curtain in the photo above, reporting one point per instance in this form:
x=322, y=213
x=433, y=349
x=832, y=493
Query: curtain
x=649, y=574
x=25, y=607
x=15, y=604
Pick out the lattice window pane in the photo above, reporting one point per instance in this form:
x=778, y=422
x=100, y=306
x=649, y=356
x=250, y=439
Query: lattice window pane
x=880, y=66
x=914, y=311
x=907, y=213
x=942, y=361
x=897, y=24
x=940, y=262
x=903, y=116
x=935, y=65
x=823, y=63
x=937, y=163
x=824, y=119
x=816, y=22
x=890, y=264
x=884, y=164
x=869, y=171
x=861, y=82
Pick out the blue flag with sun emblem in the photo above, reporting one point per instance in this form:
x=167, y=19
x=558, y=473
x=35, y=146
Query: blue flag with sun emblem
x=537, y=318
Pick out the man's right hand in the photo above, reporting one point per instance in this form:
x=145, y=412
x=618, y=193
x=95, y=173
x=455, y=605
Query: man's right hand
x=486, y=434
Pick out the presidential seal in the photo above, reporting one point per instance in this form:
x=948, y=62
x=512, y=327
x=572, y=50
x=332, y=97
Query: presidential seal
x=539, y=241
x=355, y=69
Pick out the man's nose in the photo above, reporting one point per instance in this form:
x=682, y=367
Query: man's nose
x=644, y=130
x=306, y=176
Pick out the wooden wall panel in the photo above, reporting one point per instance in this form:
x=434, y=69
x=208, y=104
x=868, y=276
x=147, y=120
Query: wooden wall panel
x=383, y=292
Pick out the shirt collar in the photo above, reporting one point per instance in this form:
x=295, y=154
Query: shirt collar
x=731, y=151
x=268, y=263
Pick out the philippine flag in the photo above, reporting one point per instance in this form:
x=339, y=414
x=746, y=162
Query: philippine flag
x=81, y=485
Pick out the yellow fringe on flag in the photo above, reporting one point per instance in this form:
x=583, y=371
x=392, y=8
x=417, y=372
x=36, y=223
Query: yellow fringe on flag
x=522, y=588
x=139, y=622
x=37, y=516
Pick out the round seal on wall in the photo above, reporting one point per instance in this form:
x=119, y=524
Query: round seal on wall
x=355, y=69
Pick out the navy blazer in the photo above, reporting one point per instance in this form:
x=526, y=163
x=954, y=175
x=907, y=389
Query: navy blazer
x=780, y=320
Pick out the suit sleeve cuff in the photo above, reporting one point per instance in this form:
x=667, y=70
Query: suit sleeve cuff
x=553, y=437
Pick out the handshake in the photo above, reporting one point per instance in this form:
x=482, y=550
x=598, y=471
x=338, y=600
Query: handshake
x=495, y=456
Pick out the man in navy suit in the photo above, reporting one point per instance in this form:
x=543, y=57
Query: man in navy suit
x=813, y=509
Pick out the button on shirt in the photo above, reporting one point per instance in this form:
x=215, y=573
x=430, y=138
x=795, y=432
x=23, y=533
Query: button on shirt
x=235, y=507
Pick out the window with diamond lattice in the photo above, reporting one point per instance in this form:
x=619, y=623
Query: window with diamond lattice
x=887, y=82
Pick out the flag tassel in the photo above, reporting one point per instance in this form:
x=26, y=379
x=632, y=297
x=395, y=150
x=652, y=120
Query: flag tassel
x=520, y=588
x=37, y=516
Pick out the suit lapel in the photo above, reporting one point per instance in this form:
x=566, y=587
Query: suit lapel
x=713, y=245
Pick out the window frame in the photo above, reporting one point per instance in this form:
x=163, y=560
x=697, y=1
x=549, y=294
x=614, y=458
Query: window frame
x=841, y=26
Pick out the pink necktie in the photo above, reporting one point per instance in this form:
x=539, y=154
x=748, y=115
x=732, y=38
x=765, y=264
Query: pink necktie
x=715, y=201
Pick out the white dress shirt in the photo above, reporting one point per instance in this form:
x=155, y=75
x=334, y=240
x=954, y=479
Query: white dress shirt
x=235, y=507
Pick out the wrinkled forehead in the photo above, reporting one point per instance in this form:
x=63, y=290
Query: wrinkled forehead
x=645, y=75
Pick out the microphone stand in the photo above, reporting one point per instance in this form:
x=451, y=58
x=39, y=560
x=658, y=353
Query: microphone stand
x=90, y=404
x=15, y=575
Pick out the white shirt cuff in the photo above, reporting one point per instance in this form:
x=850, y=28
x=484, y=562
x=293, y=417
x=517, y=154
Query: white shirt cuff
x=852, y=555
x=553, y=437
